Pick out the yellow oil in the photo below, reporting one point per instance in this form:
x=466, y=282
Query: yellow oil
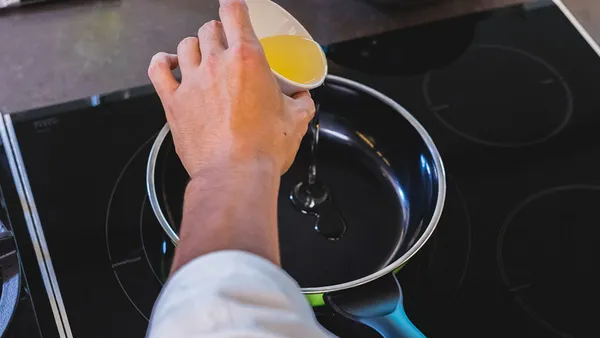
x=294, y=57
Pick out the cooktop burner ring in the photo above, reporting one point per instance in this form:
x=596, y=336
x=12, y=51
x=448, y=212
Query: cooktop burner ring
x=115, y=265
x=522, y=284
x=142, y=239
x=469, y=230
x=552, y=77
x=437, y=239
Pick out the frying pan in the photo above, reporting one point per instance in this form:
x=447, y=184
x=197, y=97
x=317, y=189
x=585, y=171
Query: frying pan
x=388, y=186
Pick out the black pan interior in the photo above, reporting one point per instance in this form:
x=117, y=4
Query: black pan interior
x=383, y=186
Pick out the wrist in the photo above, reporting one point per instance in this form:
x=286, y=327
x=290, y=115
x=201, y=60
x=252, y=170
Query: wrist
x=236, y=175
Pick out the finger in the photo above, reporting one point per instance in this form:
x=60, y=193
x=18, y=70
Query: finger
x=188, y=52
x=305, y=105
x=236, y=22
x=212, y=38
x=160, y=73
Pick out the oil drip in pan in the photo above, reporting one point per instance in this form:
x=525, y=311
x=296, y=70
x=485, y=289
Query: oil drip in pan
x=314, y=198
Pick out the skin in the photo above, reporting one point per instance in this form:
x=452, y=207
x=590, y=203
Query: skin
x=235, y=133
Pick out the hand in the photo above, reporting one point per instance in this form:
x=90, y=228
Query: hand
x=228, y=108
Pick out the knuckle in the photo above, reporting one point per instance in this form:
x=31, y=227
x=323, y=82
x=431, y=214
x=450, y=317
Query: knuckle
x=158, y=57
x=233, y=7
x=311, y=107
x=208, y=27
x=187, y=41
x=307, y=118
x=210, y=59
x=246, y=51
x=307, y=109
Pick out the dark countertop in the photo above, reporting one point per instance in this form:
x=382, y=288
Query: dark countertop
x=64, y=51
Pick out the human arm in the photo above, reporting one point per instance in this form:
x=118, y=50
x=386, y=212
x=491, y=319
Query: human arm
x=235, y=133
x=230, y=207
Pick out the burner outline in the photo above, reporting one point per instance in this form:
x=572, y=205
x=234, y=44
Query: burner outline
x=499, y=251
x=116, y=184
x=465, y=268
x=568, y=93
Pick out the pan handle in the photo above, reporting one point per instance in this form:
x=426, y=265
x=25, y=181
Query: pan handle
x=377, y=304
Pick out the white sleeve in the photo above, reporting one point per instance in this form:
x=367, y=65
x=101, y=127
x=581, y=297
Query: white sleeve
x=232, y=294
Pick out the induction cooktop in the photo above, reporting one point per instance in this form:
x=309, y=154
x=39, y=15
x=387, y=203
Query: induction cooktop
x=509, y=96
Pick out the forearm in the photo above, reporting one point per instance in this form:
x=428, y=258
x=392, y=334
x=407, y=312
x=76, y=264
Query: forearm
x=229, y=207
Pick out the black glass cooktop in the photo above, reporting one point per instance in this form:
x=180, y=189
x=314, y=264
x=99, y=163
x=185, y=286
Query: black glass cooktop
x=510, y=98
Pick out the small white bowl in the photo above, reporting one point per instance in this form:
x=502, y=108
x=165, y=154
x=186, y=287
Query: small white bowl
x=269, y=19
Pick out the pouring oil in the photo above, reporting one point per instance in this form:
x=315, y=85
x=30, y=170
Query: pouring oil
x=294, y=57
x=313, y=197
x=301, y=60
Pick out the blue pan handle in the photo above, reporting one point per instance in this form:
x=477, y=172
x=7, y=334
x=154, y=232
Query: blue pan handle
x=377, y=304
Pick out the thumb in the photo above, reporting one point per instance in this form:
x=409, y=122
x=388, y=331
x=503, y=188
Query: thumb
x=305, y=106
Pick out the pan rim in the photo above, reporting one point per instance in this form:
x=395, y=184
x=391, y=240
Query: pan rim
x=439, y=169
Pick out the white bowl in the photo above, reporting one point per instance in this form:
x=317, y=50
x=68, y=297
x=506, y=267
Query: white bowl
x=269, y=19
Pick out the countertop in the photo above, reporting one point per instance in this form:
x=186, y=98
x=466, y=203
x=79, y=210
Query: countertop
x=63, y=51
